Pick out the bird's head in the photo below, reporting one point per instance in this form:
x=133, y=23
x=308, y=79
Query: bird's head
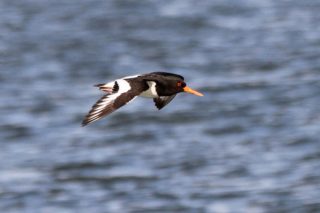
x=181, y=86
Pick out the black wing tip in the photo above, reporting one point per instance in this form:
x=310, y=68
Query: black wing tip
x=88, y=120
x=159, y=105
x=84, y=123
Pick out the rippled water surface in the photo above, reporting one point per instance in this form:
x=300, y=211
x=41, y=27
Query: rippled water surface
x=251, y=144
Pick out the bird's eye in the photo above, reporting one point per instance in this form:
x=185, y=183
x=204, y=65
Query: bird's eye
x=179, y=83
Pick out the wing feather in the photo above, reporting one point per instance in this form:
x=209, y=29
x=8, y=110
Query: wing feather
x=106, y=105
x=120, y=96
x=162, y=101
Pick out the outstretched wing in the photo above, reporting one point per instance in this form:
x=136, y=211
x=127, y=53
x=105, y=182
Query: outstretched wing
x=122, y=93
x=163, y=101
x=106, y=105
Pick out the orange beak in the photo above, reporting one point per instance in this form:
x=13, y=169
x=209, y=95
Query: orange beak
x=189, y=90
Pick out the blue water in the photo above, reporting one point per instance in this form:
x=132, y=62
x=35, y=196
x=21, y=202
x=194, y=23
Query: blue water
x=251, y=144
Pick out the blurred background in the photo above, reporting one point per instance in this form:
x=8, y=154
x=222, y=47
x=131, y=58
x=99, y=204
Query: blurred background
x=251, y=144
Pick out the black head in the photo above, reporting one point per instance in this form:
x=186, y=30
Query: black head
x=180, y=85
x=172, y=87
x=169, y=87
x=169, y=83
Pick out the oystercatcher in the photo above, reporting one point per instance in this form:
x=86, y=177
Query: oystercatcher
x=161, y=86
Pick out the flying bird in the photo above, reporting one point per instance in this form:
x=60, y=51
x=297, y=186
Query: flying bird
x=161, y=86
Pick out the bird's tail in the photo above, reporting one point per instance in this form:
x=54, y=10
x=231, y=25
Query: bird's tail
x=108, y=87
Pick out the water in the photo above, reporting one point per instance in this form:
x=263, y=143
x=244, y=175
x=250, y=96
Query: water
x=251, y=144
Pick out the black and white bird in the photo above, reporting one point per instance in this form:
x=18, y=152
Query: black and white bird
x=161, y=86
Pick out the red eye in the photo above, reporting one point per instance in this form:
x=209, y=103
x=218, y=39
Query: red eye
x=179, y=84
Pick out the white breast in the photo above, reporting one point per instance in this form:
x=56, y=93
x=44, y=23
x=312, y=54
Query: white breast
x=151, y=92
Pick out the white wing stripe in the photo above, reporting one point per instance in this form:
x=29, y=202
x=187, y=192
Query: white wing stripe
x=124, y=87
x=105, y=105
x=102, y=105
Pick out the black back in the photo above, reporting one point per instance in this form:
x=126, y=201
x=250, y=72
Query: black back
x=167, y=74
